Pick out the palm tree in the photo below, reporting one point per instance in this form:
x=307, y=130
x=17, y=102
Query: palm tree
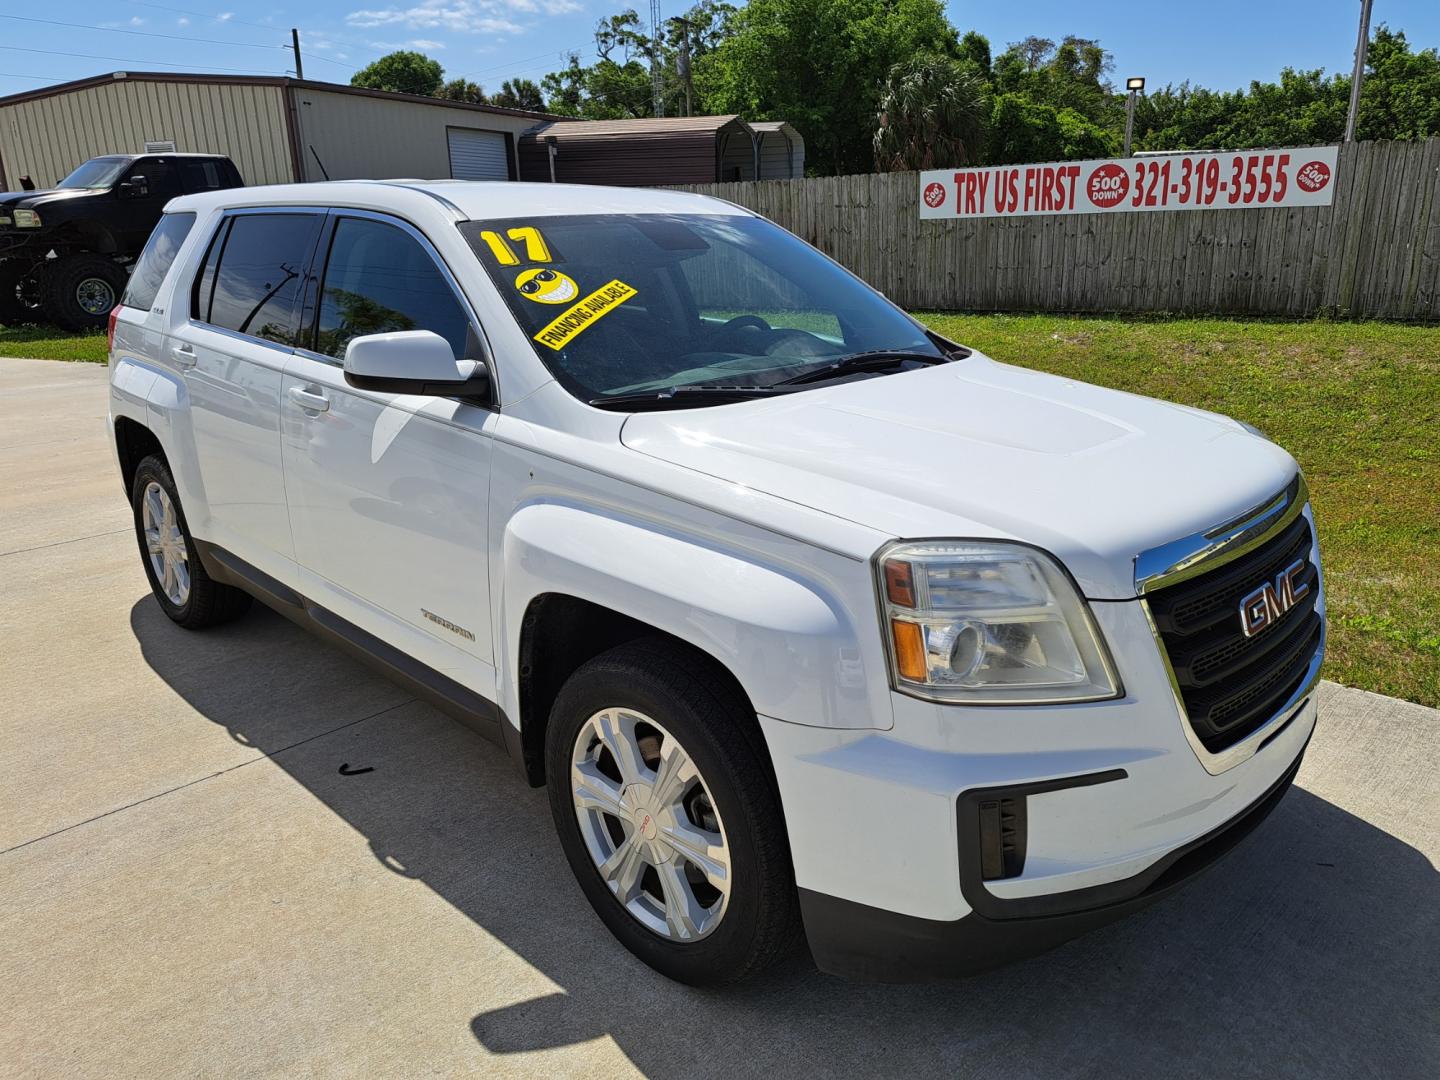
x=933, y=114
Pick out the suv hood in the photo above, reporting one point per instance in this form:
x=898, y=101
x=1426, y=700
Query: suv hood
x=979, y=449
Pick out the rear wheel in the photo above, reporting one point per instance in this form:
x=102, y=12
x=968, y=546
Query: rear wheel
x=80, y=290
x=663, y=800
x=187, y=594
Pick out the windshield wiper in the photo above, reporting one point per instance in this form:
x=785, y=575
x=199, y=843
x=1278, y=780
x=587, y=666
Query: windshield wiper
x=872, y=360
x=683, y=396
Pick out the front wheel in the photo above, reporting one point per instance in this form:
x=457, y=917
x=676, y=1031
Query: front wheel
x=668, y=815
x=19, y=289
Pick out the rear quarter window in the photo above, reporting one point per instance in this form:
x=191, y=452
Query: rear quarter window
x=155, y=261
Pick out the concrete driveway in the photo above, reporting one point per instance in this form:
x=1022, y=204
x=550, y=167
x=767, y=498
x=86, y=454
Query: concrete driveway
x=189, y=886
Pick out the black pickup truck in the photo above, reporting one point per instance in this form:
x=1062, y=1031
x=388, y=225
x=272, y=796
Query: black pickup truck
x=65, y=253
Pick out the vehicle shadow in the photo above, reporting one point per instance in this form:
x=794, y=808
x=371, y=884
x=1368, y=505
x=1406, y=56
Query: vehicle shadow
x=1311, y=950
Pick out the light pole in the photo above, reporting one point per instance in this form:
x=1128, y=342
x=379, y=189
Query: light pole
x=1362, y=47
x=1136, y=86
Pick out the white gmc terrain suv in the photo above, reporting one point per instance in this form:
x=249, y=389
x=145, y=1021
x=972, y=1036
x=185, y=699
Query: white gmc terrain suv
x=812, y=621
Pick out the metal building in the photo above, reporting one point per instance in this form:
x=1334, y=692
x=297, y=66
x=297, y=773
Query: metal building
x=664, y=150
x=275, y=129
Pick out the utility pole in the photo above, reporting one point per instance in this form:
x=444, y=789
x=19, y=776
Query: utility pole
x=682, y=63
x=1135, y=86
x=657, y=80
x=295, y=44
x=1362, y=49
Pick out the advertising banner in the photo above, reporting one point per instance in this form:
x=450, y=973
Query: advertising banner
x=1203, y=180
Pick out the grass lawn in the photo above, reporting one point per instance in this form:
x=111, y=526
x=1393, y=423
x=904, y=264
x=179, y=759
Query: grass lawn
x=46, y=343
x=1358, y=404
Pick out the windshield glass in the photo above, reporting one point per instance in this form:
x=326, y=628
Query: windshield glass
x=625, y=304
x=98, y=172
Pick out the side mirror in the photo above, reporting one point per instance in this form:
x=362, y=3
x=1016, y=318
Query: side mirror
x=137, y=187
x=413, y=362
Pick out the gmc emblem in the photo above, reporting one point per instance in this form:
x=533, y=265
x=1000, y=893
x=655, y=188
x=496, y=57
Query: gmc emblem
x=1264, y=606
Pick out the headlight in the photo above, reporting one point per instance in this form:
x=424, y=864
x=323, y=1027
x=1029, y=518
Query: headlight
x=27, y=219
x=989, y=624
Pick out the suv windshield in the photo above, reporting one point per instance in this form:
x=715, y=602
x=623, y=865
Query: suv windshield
x=620, y=305
x=98, y=172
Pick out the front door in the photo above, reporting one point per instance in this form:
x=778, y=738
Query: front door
x=388, y=493
x=147, y=186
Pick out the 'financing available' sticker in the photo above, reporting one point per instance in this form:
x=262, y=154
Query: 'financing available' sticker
x=580, y=317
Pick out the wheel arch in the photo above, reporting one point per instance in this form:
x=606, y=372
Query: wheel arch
x=134, y=442
x=580, y=579
x=558, y=634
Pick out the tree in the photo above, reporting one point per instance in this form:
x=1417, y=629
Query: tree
x=1033, y=50
x=1023, y=130
x=1400, y=98
x=462, y=90
x=933, y=115
x=1071, y=75
x=519, y=94
x=402, y=72
x=619, y=84
x=975, y=47
x=820, y=64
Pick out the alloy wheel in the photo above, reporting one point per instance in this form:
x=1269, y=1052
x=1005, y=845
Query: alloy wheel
x=165, y=544
x=650, y=825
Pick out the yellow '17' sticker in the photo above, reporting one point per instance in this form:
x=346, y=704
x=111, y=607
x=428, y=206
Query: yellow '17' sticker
x=583, y=314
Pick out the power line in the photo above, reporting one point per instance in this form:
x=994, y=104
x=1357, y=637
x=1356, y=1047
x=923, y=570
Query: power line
x=324, y=35
x=512, y=68
x=127, y=60
x=201, y=15
x=17, y=75
x=140, y=33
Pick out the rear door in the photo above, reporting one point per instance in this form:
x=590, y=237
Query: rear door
x=388, y=493
x=233, y=348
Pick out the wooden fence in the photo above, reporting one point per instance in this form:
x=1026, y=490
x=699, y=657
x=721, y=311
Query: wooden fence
x=1374, y=252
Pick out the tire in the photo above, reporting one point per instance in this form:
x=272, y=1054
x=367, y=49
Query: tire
x=202, y=601
x=77, y=287
x=667, y=698
x=17, y=292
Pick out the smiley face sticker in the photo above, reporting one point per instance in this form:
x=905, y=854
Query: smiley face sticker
x=546, y=286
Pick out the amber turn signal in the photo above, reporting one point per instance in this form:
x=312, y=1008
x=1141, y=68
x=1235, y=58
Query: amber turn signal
x=899, y=583
x=909, y=650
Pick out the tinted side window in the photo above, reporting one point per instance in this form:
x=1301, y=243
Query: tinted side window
x=200, y=175
x=251, y=280
x=379, y=279
x=160, y=179
x=154, y=262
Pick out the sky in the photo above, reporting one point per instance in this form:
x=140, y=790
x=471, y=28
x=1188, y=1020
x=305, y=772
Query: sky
x=1222, y=44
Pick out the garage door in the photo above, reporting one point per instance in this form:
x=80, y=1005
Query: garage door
x=478, y=155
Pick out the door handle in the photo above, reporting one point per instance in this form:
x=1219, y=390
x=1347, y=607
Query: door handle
x=308, y=400
x=183, y=355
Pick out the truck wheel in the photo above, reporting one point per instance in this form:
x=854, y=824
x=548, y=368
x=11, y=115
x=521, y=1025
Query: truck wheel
x=80, y=290
x=18, y=289
x=187, y=594
x=662, y=795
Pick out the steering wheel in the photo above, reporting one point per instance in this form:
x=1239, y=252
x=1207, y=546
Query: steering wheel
x=740, y=322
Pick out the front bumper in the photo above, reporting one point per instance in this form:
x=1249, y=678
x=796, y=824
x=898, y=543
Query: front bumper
x=1119, y=810
x=867, y=943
